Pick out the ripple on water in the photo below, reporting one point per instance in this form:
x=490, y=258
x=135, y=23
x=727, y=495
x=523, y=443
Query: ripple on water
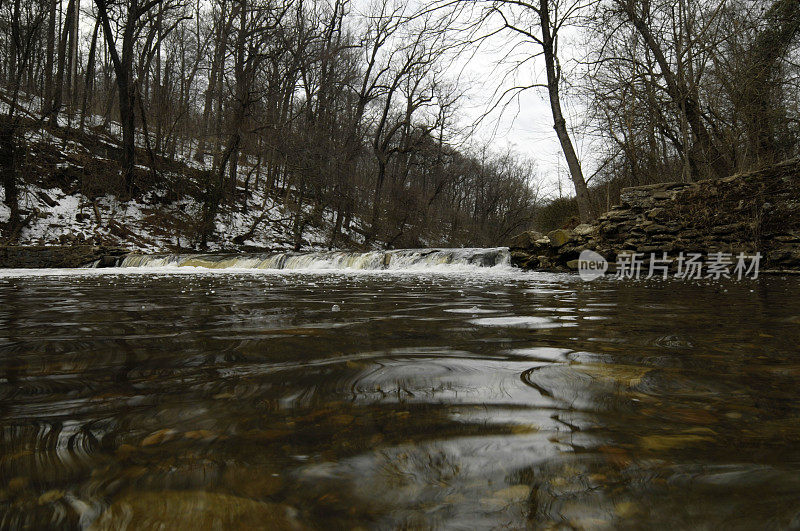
x=427, y=402
x=441, y=380
x=471, y=311
x=528, y=321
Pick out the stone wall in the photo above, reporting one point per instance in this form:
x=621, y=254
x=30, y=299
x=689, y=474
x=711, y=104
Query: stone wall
x=18, y=256
x=752, y=212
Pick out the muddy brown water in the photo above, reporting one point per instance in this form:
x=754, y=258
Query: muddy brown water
x=462, y=400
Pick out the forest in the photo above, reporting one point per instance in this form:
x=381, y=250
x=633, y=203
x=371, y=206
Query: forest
x=349, y=116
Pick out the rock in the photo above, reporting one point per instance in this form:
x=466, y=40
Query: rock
x=533, y=263
x=43, y=256
x=726, y=215
x=18, y=483
x=728, y=229
x=107, y=260
x=524, y=239
x=619, y=214
x=194, y=510
x=256, y=483
x=159, y=437
x=568, y=252
x=50, y=496
x=661, y=195
x=655, y=228
x=647, y=249
x=573, y=264
x=46, y=199
x=520, y=258
x=513, y=494
x=559, y=237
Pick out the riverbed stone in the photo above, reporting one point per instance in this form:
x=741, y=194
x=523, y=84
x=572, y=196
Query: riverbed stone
x=194, y=510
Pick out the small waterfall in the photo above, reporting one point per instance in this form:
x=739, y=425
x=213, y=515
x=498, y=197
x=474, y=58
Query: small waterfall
x=402, y=259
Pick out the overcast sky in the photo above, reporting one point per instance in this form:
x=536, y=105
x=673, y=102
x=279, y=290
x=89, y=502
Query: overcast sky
x=526, y=124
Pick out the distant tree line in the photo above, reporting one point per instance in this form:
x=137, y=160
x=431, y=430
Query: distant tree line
x=693, y=89
x=672, y=89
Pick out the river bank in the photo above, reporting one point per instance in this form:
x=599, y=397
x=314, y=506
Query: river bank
x=757, y=212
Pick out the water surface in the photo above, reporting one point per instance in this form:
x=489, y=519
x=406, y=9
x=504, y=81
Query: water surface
x=334, y=400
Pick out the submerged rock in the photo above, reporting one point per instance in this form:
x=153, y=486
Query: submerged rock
x=193, y=510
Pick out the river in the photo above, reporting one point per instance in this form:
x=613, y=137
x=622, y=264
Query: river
x=447, y=395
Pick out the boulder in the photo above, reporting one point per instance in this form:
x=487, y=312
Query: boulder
x=108, y=260
x=584, y=229
x=560, y=237
x=656, y=229
x=524, y=239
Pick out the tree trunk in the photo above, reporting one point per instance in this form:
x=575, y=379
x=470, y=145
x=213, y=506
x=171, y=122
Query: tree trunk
x=680, y=95
x=128, y=122
x=89, y=73
x=585, y=208
x=376, y=203
x=58, y=89
x=8, y=170
x=47, y=97
x=123, y=68
x=216, y=66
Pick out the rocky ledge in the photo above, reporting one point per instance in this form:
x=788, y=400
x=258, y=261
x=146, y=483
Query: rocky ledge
x=45, y=256
x=746, y=213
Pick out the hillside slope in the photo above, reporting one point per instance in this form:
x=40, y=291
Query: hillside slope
x=70, y=192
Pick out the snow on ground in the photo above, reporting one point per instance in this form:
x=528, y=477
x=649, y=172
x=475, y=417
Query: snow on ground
x=146, y=227
x=147, y=224
x=5, y=212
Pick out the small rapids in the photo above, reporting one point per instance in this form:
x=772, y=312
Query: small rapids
x=402, y=259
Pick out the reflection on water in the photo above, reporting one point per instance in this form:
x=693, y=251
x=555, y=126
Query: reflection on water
x=461, y=401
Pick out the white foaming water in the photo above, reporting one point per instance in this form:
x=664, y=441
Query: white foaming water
x=397, y=260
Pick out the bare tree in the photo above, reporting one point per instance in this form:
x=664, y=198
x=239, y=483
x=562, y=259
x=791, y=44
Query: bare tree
x=538, y=24
x=131, y=19
x=24, y=21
